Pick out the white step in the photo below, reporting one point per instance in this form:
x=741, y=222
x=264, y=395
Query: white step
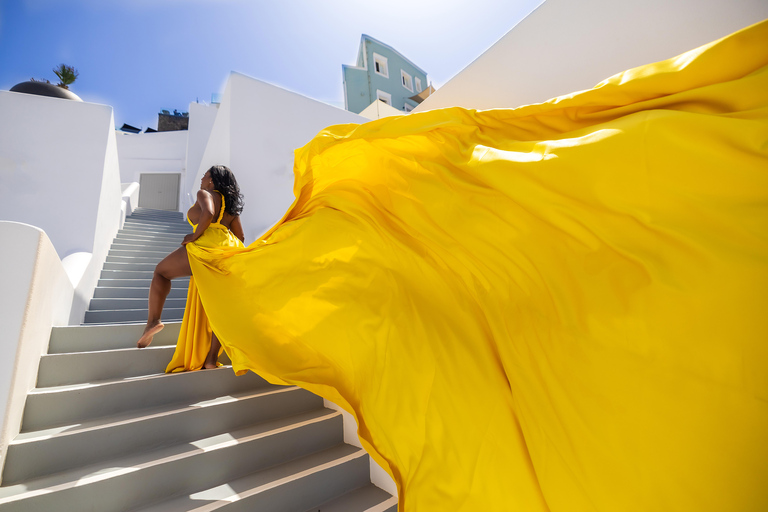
x=147, y=477
x=133, y=303
x=135, y=259
x=152, y=212
x=143, y=247
x=133, y=252
x=368, y=498
x=176, y=219
x=292, y=486
x=107, y=292
x=44, y=452
x=147, y=239
x=142, y=266
x=182, y=282
x=149, y=236
x=148, y=230
x=127, y=274
x=156, y=224
x=87, y=338
x=111, y=316
x=136, y=239
x=99, y=365
x=153, y=232
x=144, y=220
x=68, y=405
x=139, y=230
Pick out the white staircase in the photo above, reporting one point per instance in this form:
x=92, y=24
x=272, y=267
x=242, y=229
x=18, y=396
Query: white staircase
x=106, y=430
x=121, y=295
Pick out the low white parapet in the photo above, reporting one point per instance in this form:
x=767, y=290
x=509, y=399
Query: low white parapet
x=130, y=198
x=36, y=295
x=379, y=477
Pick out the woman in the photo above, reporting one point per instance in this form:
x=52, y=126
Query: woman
x=215, y=218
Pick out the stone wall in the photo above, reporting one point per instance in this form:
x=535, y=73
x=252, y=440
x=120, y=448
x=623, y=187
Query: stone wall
x=170, y=122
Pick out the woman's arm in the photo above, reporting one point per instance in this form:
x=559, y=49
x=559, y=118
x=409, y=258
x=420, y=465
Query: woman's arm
x=205, y=200
x=237, y=228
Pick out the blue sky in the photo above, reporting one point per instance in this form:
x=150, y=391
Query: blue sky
x=142, y=56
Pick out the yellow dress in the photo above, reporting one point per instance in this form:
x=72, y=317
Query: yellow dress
x=556, y=307
x=195, y=334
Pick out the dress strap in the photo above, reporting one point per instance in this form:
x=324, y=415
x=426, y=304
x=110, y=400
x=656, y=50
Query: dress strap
x=221, y=212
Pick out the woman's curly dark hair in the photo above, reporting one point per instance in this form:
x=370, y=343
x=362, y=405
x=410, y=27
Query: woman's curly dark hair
x=224, y=181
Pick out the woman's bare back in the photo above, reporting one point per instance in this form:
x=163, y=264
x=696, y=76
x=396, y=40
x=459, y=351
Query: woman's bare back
x=193, y=214
x=229, y=221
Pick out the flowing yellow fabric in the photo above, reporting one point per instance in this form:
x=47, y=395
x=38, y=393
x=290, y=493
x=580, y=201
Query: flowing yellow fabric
x=194, y=341
x=556, y=307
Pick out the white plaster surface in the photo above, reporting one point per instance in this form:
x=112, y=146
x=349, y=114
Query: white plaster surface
x=217, y=146
x=257, y=128
x=76, y=266
x=51, y=171
x=150, y=153
x=565, y=46
x=379, y=109
x=37, y=294
x=62, y=176
x=201, y=119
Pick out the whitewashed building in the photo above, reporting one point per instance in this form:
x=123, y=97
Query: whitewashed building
x=67, y=187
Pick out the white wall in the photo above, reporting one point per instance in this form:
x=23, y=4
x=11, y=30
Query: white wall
x=37, y=294
x=379, y=109
x=110, y=216
x=201, y=119
x=149, y=153
x=216, y=150
x=566, y=46
x=59, y=172
x=256, y=130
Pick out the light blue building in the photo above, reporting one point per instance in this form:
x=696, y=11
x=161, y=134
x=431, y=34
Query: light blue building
x=382, y=73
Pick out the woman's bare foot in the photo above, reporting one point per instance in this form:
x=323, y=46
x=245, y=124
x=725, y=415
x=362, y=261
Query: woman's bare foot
x=212, y=360
x=149, y=332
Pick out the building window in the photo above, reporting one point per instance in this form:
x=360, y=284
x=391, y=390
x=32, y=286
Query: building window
x=406, y=79
x=383, y=96
x=407, y=107
x=380, y=65
x=418, y=84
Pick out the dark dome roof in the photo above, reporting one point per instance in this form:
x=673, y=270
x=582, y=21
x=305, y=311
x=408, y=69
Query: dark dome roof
x=44, y=89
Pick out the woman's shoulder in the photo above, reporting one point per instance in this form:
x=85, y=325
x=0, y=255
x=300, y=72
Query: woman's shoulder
x=204, y=194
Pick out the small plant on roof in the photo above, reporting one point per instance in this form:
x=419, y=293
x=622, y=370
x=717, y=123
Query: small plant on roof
x=67, y=75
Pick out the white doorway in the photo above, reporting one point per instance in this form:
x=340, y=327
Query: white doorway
x=159, y=191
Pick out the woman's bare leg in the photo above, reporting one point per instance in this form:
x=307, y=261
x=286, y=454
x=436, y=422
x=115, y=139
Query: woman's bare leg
x=174, y=265
x=213, y=354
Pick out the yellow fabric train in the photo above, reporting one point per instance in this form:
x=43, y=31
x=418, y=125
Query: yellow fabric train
x=556, y=307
